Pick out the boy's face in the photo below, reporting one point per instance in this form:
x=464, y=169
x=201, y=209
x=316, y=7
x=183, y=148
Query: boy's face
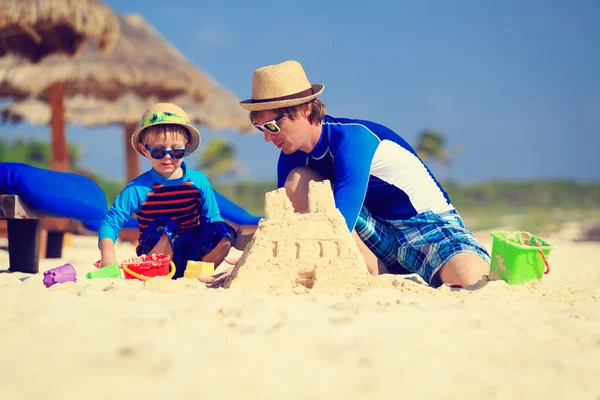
x=167, y=166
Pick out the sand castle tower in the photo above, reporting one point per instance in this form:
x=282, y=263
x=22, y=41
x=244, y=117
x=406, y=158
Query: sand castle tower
x=293, y=251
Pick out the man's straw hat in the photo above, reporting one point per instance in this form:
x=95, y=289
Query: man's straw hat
x=166, y=113
x=281, y=85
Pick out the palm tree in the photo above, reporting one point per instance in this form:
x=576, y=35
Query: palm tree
x=38, y=153
x=4, y=150
x=35, y=152
x=431, y=146
x=218, y=158
x=74, y=157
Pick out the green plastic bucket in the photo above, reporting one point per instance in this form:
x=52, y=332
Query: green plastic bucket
x=518, y=257
x=110, y=271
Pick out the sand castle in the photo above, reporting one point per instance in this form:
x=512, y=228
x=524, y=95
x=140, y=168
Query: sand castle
x=299, y=252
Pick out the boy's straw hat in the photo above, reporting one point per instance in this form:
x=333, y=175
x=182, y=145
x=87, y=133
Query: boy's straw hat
x=166, y=113
x=281, y=85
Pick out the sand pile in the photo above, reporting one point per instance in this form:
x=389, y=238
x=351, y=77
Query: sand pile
x=301, y=252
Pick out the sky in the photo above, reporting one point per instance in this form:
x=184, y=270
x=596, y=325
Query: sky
x=515, y=84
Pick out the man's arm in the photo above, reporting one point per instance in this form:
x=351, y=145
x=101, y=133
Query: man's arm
x=353, y=154
x=288, y=162
x=285, y=165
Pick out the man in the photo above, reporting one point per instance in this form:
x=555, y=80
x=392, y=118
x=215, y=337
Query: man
x=398, y=212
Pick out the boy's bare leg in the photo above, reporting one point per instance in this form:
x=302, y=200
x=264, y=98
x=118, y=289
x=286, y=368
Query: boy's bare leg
x=217, y=255
x=163, y=246
x=296, y=187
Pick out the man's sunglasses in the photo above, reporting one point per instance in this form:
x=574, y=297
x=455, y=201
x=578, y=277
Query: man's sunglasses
x=159, y=154
x=270, y=126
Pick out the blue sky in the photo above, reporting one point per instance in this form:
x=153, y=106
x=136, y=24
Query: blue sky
x=515, y=83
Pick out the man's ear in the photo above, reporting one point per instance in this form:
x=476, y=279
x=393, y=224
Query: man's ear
x=307, y=110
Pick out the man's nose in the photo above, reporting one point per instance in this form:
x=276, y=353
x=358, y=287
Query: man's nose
x=268, y=136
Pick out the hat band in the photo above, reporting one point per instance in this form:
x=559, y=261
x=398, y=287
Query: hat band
x=163, y=117
x=298, y=95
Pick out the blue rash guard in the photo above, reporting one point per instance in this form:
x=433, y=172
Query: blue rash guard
x=369, y=165
x=189, y=201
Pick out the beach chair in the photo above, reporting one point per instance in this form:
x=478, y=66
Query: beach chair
x=33, y=234
x=40, y=206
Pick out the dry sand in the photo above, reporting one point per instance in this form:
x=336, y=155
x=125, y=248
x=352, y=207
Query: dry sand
x=98, y=339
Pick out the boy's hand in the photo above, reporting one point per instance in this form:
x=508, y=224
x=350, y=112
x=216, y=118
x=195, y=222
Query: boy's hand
x=107, y=252
x=107, y=261
x=218, y=280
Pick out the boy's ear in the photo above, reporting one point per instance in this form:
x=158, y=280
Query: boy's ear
x=142, y=148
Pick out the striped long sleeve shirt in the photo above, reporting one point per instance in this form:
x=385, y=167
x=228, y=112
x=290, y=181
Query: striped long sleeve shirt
x=189, y=201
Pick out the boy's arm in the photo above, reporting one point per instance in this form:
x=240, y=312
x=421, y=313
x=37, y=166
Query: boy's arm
x=107, y=252
x=209, y=209
x=126, y=203
x=353, y=155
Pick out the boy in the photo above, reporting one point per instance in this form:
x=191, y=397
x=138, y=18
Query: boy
x=176, y=208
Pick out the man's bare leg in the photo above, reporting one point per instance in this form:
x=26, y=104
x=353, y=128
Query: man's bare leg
x=374, y=265
x=464, y=269
x=296, y=187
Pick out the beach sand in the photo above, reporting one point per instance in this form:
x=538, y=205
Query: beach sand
x=108, y=338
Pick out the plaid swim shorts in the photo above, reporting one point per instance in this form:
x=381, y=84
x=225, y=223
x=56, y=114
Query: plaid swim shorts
x=421, y=244
x=188, y=244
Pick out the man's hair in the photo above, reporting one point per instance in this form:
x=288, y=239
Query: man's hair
x=164, y=129
x=316, y=115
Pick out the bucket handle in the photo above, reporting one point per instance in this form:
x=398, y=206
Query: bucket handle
x=545, y=261
x=145, y=278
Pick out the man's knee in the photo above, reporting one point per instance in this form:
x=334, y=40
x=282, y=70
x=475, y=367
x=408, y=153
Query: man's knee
x=374, y=265
x=464, y=269
x=296, y=186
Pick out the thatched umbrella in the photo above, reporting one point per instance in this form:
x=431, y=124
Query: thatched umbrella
x=141, y=62
x=221, y=111
x=34, y=29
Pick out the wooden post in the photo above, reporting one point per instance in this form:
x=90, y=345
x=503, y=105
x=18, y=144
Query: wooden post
x=131, y=156
x=54, y=244
x=23, y=245
x=59, y=159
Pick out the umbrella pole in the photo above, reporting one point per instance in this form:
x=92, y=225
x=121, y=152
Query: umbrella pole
x=131, y=156
x=59, y=157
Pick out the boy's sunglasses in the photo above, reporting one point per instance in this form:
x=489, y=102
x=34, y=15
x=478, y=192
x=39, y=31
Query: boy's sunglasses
x=270, y=126
x=159, y=154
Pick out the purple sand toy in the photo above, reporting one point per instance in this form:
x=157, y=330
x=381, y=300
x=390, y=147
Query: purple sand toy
x=62, y=274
